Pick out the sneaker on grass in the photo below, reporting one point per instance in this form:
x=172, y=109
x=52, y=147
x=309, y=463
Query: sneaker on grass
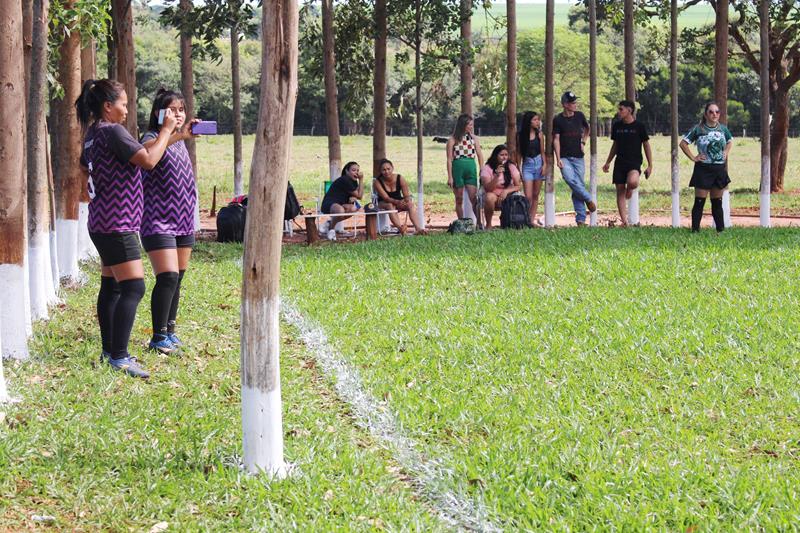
x=130, y=365
x=174, y=340
x=332, y=235
x=161, y=344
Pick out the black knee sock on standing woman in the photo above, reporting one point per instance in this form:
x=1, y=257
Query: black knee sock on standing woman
x=161, y=300
x=132, y=291
x=718, y=213
x=106, y=303
x=173, y=309
x=697, y=212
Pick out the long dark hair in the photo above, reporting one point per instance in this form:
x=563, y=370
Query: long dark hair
x=346, y=168
x=162, y=100
x=494, y=162
x=461, y=126
x=94, y=94
x=705, y=110
x=524, y=138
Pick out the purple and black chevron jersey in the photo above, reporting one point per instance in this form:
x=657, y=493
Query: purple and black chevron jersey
x=169, y=193
x=115, y=184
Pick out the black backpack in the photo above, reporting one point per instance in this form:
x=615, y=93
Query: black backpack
x=514, y=213
x=293, y=207
x=230, y=223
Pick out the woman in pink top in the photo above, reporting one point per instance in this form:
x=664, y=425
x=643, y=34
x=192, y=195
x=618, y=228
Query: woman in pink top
x=499, y=178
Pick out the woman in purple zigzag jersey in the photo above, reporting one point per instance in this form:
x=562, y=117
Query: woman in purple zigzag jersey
x=168, y=220
x=114, y=161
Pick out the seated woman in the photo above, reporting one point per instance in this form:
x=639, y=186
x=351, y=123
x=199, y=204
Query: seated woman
x=342, y=197
x=499, y=178
x=393, y=193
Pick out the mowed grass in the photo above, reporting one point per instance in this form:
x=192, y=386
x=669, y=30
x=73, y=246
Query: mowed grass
x=580, y=380
x=98, y=451
x=309, y=164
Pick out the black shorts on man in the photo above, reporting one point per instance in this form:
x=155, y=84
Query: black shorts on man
x=117, y=248
x=621, y=170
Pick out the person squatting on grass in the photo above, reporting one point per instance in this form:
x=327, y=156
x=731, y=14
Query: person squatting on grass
x=629, y=136
x=499, y=178
x=570, y=130
x=714, y=142
x=114, y=162
x=463, y=147
x=342, y=197
x=167, y=229
x=531, y=151
x=393, y=193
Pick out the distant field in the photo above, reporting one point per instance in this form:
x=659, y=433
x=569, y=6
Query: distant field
x=532, y=16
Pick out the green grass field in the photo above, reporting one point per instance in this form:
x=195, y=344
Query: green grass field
x=572, y=380
x=310, y=162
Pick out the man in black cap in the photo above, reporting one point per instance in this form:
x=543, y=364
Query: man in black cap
x=570, y=130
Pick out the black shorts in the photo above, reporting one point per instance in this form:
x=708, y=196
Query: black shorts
x=709, y=176
x=117, y=248
x=621, y=170
x=164, y=242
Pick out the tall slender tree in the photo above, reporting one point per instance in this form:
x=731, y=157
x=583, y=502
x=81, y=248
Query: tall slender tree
x=67, y=144
x=673, y=104
x=630, y=90
x=236, y=86
x=122, y=13
x=331, y=93
x=466, y=57
x=14, y=299
x=511, y=78
x=721, y=59
x=764, y=192
x=260, y=333
x=379, y=88
x=42, y=288
x=593, y=106
x=185, y=9
x=549, y=115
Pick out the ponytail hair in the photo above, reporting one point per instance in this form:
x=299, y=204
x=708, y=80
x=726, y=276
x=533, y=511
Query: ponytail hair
x=162, y=100
x=94, y=94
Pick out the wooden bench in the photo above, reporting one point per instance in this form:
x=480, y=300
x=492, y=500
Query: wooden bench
x=370, y=223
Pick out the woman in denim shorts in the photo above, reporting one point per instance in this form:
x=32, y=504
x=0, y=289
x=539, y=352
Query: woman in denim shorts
x=534, y=160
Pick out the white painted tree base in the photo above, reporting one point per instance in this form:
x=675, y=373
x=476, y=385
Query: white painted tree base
x=676, y=210
x=467, y=206
x=40, y=277
x=726, y=208
x=593, y=187
x=549, y=209
x=633, y=208
x=262, y=423
x=86, y=249
x=68, y=268
x=54, y=271
x=421, y=210
x=15, y=323
x=764, y=210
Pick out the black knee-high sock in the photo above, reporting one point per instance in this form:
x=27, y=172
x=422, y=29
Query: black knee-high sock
x=173, y=309
x=106, y=302
x=132, y=291
x=161, y=300
x=697, y=212
x=718, y=213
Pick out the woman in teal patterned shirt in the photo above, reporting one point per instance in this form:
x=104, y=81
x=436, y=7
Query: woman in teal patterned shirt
x=714, y=142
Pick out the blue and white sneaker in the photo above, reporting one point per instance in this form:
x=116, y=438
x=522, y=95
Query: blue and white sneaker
x=174, y=340
x=130, y=365
x=162, y=344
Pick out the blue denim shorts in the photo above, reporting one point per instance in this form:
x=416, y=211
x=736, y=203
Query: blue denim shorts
x=532, y=169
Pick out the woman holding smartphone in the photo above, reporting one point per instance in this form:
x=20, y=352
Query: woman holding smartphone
x=114, y=162
x=168, y=220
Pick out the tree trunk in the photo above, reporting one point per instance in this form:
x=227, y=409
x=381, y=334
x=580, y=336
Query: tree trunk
x=379, y=88
x=67, y=142
x=86, y=249
x=27, y=39
x=721, y=60
x=238, y=163
x=122, y=13
x=779, y=137
x=418, y=109
x=549, y=115
x=260, y=333
x=630, y=70
x=331, y=100
x=187, y=82
x=111, y=48
x=511, y=79
x=673, y=105
x=42, y=289
x=593, y=106
x=766, y=178
x=466, y=57
x=14, y=303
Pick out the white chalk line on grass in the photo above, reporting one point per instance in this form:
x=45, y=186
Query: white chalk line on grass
x=429, y=477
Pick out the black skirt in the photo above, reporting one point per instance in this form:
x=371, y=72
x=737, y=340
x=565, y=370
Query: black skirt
x=709, y=176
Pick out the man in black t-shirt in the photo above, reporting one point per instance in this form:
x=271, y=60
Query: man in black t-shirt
x=629, y=136
x=570, y=130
